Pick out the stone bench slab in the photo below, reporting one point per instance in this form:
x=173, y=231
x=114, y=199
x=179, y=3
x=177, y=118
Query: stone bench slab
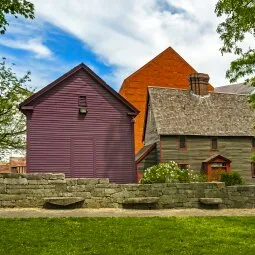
x=141, y=200
x=211, y=201
x=63, y=201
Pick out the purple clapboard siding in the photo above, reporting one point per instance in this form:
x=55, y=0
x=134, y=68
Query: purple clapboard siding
x=60, y=139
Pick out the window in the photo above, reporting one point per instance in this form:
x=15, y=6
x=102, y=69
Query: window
x=183, y=166
x=182, y=142
x=214, y=143
x=253, y=169
x=253, y=142
x=14, y=169
x=82, y=101
x=83, y=109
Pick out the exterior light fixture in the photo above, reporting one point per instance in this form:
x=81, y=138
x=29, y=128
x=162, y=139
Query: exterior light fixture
x=83, y=108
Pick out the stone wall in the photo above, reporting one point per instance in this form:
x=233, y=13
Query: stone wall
x=31, y=190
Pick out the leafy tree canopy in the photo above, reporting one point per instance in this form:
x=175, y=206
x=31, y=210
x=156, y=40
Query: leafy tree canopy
x=14, y=7
x=13, y=90
x=239, y=24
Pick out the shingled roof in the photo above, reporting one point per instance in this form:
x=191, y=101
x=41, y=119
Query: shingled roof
x=239, y=88
x=180, y=112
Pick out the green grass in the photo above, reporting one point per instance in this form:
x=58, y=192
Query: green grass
x=187, y=235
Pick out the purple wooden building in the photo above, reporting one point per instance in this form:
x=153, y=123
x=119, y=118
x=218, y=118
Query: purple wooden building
x=80, y=126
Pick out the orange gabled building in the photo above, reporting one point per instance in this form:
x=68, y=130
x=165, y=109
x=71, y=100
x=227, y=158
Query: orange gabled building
x=168, y=69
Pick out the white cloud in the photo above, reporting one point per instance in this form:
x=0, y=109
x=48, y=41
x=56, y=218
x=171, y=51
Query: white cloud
x=34, y=45
x=127, y=34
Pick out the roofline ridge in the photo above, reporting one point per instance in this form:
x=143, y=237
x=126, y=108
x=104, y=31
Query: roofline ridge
x=70, y=73
x=159, y=87
x=230, y=93
x=150, y=61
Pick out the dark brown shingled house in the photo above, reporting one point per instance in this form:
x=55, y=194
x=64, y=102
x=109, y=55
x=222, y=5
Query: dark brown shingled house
x=196, y=128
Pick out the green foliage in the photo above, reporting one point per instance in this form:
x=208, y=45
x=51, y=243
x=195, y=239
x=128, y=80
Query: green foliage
x=12, y=122
x=252, y=157
x=12, y=89
x=238, y=25
x=14, y=7
x=231, y=178
x=169, y=173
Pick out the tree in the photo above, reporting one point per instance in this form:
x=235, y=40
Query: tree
x=12, y=123
x=12, y=89
x=14, y=7
x=238, y=26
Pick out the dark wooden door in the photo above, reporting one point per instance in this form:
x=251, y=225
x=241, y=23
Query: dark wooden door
x=214, y=173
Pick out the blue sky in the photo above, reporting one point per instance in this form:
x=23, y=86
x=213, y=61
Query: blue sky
x=65, y=52
x=113, y=37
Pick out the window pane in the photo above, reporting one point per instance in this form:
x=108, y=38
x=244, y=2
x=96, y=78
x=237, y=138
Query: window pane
x=252, y=170
x=214, y=143
x=253, y=142
x=184, y=166
x=182, y=141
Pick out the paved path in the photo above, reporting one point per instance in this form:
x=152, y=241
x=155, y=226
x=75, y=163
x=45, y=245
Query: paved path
x=36, y=212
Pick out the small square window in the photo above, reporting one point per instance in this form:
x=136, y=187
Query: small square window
x=253, y=169
x=14, y=169
x=253, y=142
x=214, y=143
x=182, y=142
x=83, y=109
x=183, y=166
x=82, y=101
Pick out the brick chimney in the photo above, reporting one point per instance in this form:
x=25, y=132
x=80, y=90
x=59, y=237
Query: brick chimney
x=199, y=83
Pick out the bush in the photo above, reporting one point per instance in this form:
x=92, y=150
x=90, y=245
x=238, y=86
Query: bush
x=231, y=178
x=169, y=173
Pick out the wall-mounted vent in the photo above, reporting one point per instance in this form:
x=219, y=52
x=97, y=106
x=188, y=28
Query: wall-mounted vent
x=83, y=107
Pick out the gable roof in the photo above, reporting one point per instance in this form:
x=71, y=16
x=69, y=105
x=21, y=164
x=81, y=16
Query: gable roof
x=167, y=52
x=93, y=75
x=239, y=88
x=180, y=112
x=213, y=157
x=140, y=155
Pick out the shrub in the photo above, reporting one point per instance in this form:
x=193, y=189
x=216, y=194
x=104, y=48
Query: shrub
x=169, y=173
x=231, y=178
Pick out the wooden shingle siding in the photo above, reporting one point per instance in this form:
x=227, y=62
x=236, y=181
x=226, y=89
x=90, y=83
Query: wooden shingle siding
x=62, y=140
x=151, y=134
x=181, y=112
x=237, y=149
x=240, y=88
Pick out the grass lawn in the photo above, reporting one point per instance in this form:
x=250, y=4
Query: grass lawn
x=187, y=235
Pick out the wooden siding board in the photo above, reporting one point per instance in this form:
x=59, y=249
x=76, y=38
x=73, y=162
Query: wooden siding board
x=237, y=149
x=55, y=121
x=151, y=134
x=148, y=161
x=83, y=156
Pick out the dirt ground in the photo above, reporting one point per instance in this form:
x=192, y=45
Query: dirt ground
x=109, y=212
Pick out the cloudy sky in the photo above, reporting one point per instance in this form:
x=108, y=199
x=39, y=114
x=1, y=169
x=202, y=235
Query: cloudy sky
x=113, y=37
